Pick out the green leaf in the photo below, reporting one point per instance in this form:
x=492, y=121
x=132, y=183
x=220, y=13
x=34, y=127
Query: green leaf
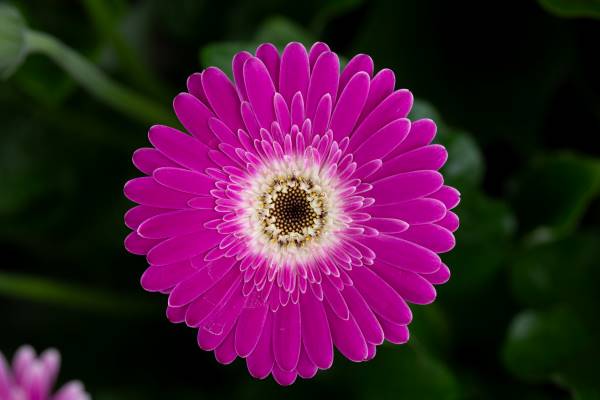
x=13, y=46
x=404, y=372
x=541, y=345
x=564, y=271
x=552, y=195
x=69, y=295
x=465, y=165
x=424, y=109
x=572, y=8
x=280, y=31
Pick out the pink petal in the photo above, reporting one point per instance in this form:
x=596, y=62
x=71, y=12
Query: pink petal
x=431, y=236
x=175, y=223
x=439, y=277
x=184, y=180
x=315, y=51
x=223, y=97
x=269, y=55
x=421, y=134
x=382, y=85
x=287, y=336
x=406, y=186
x=323, y=80
x=380, y=296
x=164, y=277
x=201, y=281
x=260, y=361
x=237, y=66
x=363, y=315
x=249, y=327
x=397, y=105
x=388, y=225
x=347, y=337
x=382, y=142
x=411, y=286
x=194, y=116
x=194, y=87
x=450, y=221
x=138, y=214
x=148, y=192
x=148, y=159
x=417, y=211
x=260, y=91
x=183, y=247
x=394, y=333
x=294, y=71
x=306, y=368
x=315, y=331
x=284, y=378
x=225, y=353
x=358, y=63
x=403, y=254
x=136, y=244
x=179, y=147
x=447, y=195
x=349, y=105
x=428, y=157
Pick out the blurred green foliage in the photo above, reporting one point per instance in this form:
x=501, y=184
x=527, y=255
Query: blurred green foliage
x=514, y=93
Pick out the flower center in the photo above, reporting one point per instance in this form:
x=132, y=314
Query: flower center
x=292, y=211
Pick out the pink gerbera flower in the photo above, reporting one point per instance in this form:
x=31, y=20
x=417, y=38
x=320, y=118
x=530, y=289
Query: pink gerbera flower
x=32, y=378
x=303, y=212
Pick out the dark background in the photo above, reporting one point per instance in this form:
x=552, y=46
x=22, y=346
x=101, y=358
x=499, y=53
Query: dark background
x=515, y=89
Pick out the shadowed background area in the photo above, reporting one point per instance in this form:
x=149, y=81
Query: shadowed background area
x=515, y=90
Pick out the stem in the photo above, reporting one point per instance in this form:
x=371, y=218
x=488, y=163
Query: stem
x=51, y=292
x=97, y=82
x=103, y=18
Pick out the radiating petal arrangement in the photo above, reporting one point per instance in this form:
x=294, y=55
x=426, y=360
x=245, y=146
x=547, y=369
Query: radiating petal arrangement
x=300, y=212
x=32, y=378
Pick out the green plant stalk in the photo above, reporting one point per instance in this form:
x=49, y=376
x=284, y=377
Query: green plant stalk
x=97, y=82
x=101, y=16
x=47, y=291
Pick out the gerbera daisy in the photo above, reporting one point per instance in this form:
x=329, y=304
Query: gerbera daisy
x=302, y=211
x=32, y=377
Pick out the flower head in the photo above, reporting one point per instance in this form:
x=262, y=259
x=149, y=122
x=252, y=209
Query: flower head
x=302, y=211
x=32, y=378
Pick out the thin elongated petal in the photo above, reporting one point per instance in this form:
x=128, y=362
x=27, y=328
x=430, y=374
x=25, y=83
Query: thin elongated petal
x=324, y=80
x=222, y=96
x=347, y=337
x=406, y=186
x=194, y=116
x=260, y=361
x=350, y=105
x=287, y=336
x=179, y=248
x=179, y=147
x=260, y=91
x=147, y=160
x=269, y=55
x=148, y=192
x=316, y=334
x=294, y=73
x=403, y=254
x=380, y=296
